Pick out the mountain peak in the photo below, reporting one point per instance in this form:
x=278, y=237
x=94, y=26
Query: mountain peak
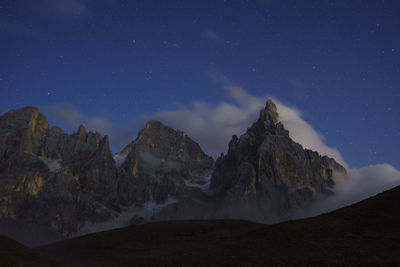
x=81, y=130
x=162, y=141
x=24, y=118
x=270, y=105
x=154, y=124
x=269, y=113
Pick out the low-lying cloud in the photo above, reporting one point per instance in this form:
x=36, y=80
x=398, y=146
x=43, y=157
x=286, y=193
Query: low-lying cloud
x=361, y=184
x=212, y=126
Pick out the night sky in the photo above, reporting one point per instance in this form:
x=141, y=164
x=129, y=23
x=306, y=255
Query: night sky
x=338, y=62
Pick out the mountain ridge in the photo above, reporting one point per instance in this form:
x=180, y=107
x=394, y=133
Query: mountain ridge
x=73, y=184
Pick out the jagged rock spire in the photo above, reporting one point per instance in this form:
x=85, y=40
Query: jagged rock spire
x=269, y=113
x=265, y=174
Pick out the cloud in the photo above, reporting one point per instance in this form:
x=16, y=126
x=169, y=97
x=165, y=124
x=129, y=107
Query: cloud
x=303, y=133
x=212, y=36
x=63, y=8
x=266, y=3
x=13, y=26
x=213, y=126
x=361, y=184
x=367, y=181
x=27, y=25
x=8, y=26
x=219, y=77
x=57, y=7
x=71, y=118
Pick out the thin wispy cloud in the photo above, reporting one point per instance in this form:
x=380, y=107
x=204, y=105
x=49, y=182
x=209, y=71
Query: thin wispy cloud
x=212, y=36
x=70, y=118
x=16, y=27
x=9, y=26
x=57, y=7
x=32, y=23
x=219, y=77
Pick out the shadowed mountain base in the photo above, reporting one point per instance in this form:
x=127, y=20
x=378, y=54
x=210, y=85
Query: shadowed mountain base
x=364, y=234
x=13, y=253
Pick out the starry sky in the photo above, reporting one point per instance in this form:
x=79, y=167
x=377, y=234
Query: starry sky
x=338, y=62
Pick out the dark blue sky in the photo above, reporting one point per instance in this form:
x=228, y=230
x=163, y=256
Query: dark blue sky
x=336, y=61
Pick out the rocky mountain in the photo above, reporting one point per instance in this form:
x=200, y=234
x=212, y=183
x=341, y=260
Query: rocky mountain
x=72, y=183
x=266, y=175
x=53, y=179
x=161, y=168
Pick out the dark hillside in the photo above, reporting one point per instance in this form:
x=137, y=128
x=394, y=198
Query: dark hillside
x=364, y=234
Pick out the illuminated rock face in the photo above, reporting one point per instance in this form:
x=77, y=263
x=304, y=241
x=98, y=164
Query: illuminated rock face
x=53, y=179
x=266, y=175
x=163, y=163
x=71, y=184
x=64, y=182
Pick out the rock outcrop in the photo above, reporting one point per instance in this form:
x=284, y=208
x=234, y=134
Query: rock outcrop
x=53, y=179
x=72, y=183
x=164, y=166
x=266, y=175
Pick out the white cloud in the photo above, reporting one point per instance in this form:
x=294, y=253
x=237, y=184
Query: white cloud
x=71, y=118
x=14, y=26
x=213, y=126
x=304, y=134
x=212, y=36
x=367, y=181
x=361, y=184
x=57, y=7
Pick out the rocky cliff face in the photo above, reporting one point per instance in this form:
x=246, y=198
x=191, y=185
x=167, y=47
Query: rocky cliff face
x=68, y=183
x=163, y=166
x=266, y=175
x=72, y=183
x=53, y=179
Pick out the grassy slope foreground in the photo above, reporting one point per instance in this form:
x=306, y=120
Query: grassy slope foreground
x=364, y=234
x=13, y=253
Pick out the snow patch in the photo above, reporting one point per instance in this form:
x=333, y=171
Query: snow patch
x=52, y=164
x=119, y=220
x=125, y=217
x=155, y=207
x=120, y=158
x=203, y=186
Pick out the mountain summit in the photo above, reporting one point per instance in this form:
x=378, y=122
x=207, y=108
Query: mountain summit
x=269, y=113
x=266, y=175
x=72, y=184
